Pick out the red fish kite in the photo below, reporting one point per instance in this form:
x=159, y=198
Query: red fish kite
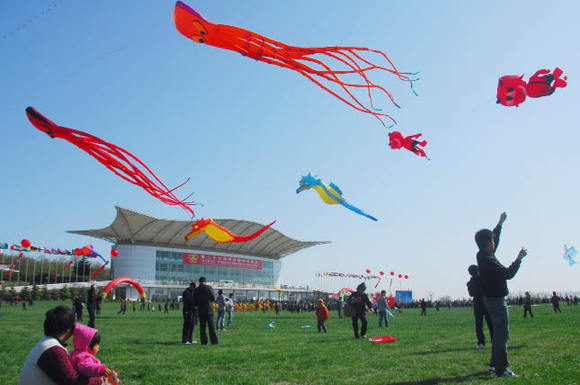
x=513, y=89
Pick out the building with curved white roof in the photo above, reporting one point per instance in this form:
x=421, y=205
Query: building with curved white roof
x=155, y=250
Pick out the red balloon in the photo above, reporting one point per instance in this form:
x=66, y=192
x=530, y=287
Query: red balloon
x=78, y=252
x=86, y=250
x=392, y=273
x=382, y=273
x=406, y=277
x=400, y=275
x=114, y=253
x=25, y=243
x=368, y=271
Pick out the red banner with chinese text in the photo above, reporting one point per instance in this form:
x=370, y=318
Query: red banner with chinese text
x=221, y=260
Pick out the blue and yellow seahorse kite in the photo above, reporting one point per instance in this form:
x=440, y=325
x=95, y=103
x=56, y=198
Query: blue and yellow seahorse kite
x=330, y=194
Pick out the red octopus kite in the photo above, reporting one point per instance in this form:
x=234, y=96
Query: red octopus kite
x=115, y=158
x=300, y=59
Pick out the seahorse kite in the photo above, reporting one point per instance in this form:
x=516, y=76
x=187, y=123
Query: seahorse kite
x=300, y=59
x=330, y=194
x=221, y=234
x=570, y=255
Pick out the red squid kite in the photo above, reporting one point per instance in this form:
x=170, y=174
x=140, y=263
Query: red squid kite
x=115, y=158
x=300, y=59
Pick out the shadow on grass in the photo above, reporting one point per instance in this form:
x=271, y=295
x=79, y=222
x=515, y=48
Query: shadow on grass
x=483, y=375
x=140, y=342
x=515, y=347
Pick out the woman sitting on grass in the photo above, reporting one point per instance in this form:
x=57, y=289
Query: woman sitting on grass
x=48, y=363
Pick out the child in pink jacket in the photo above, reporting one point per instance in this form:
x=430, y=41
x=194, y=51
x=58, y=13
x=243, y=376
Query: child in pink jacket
x=86, y=342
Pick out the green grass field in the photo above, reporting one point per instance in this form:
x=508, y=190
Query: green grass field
x=437, y=349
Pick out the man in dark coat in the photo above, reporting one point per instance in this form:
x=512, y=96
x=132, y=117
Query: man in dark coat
x=78, y=305
x=92, y=305
x=203, y=298
x=474, y=289
x=555, y=300
x=359, y=300
x=423, y=307
x=188, y=311
x=493, y=277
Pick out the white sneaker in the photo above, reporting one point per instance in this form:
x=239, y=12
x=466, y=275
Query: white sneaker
x=193, y=342
x=492, y=368
x=187, y=343
x=480, y=346
x=507, y=373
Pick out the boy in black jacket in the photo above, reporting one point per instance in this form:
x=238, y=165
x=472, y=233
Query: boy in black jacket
x=474, y=289
x=493, y=277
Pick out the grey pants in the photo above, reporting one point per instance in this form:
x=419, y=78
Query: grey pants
x=498, y=311
x=383, y=316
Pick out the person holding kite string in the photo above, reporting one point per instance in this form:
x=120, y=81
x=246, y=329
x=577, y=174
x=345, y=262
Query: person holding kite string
x=494, y=276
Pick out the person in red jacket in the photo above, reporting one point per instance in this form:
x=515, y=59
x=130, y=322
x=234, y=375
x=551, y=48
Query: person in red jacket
x=322, y=315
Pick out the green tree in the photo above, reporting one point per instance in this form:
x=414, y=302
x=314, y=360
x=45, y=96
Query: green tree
x=44, y=294
x=11, y=293
x=64, y=293
x=35, y=293
x=55, y=294
x=82, y=268
x=25, y=294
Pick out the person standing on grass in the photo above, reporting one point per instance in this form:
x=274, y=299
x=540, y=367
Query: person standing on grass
x=359, y=300
x=340, y=305
x=78, y=305
x=474, y=289
x=321, y=315
x=493, y=277
x=221, y=309
x=231, y=307
x=555, y=300
x=203, y=298
x=382, y=307
x=423, y=307
x=92, y=305
x=528, y=305
x=188, y=309
x=99, y=304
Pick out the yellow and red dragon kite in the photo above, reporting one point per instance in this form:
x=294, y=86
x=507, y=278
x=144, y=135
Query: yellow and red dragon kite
x=221, y=234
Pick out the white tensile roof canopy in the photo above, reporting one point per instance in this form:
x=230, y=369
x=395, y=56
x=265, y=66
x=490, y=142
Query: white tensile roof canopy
x=130, y=227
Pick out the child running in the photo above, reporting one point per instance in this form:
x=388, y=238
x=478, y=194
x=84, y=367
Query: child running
x=86, y=342
x=322, y=315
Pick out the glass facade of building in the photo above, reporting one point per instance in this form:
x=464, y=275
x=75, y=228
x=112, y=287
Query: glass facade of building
x=170, y=268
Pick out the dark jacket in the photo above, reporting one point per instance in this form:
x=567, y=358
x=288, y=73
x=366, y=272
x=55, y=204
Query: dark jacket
x=493, y=275
x=92, y=299
x=474, y=289
x=360, y=302
x=187, y=300
x=202, y=298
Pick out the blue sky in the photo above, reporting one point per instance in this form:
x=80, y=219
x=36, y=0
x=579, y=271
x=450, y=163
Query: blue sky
x=245, y=131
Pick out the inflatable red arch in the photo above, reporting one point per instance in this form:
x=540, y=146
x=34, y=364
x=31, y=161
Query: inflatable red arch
x=128, y=280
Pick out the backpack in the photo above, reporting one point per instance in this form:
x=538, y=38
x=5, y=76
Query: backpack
x=349, y=309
